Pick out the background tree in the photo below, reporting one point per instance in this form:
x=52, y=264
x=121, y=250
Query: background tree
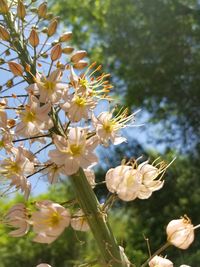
x=152, y=49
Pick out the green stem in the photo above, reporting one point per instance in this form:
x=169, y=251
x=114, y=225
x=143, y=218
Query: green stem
x=97, y=220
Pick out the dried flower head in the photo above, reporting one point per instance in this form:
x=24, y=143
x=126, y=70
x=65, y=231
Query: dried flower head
x=180, y=232
x=159, y=261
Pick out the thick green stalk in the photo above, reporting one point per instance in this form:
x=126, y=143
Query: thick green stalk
x=97, y=220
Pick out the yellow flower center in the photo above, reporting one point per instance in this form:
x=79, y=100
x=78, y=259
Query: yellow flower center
x=49, y=86
x=83, y=82
x=1, y=143
x=108, y=126
x=80, y=101
x=75, y=149
x=55, y=218
x=13, y=168
x=29, y=116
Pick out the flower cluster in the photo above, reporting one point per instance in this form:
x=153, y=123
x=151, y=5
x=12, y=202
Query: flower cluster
x=130, y=182
x=53, y=107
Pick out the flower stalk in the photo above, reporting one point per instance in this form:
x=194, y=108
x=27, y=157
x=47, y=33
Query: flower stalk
x=97, y=221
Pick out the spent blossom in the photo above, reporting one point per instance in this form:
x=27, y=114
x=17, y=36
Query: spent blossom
x=180, y=232
x=159, y=261
x=124, y=181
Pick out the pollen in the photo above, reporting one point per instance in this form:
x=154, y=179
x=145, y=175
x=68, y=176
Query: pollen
x=80, y=101
x=29, y=117
x=55, y=218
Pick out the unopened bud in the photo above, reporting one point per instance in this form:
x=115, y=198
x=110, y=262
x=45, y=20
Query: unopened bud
x=78, y=56
x=80, y=65
x=3, y=6
x=65, y=37
x=67, y=50
x=9, y=83
x=4, y=34
x=21, y=10
x=16, y=68
x=49, y=15
x=56, y=52
x=33, y=38
x=42, y=10
x=52, y=27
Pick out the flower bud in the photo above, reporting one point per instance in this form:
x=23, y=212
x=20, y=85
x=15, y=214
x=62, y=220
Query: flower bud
x=52, y=27
x=180, y=233
x=67, y=50
x=65, y=37
x=16, y=68
x=80, y=65
x=4, y=34
x=3, y=6
x=78, y=56
x=33, y=38
x=56, y=52
x=21, y=10
x=158, y=261
x=42, y=10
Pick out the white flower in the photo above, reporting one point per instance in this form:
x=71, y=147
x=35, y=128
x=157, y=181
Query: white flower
x=16, y=168
x=79, y=222
x=158, y=261
x=17, y=217
x=180, y=232
x=78, y=107
x=49, y=88
x=183, y=265
x=125, y=181
x=34, y=119
x=50, y=221
x=75, y=151
x=108, y=127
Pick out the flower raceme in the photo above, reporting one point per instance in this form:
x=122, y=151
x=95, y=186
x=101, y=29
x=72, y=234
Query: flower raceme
x=130, y=182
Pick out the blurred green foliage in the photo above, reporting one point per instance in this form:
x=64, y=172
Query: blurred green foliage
x=152, y=50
